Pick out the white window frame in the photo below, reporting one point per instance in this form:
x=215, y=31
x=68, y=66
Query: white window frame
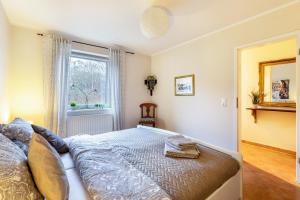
x=81, y=108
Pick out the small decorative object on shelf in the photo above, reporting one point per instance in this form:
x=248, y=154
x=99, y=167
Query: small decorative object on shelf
x=151, y=81
x=256, y=97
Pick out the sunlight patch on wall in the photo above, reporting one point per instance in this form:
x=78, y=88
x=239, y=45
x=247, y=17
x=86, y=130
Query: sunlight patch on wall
x=5, y=114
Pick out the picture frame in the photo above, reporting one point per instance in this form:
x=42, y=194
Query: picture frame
x=278, y=96
x=184, y=85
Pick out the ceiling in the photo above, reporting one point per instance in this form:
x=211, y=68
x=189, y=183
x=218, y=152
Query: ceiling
x=117, y=21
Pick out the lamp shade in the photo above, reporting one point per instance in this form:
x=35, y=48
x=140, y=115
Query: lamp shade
x=155, y=22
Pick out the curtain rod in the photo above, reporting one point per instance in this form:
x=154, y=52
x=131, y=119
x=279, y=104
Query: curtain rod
x=93, y=45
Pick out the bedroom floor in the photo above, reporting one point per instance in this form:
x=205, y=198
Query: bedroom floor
x=268, y=174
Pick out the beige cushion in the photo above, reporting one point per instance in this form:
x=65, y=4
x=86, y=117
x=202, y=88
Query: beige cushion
x=47, y=169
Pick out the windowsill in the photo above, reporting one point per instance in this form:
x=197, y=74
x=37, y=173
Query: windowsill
x=89, y=112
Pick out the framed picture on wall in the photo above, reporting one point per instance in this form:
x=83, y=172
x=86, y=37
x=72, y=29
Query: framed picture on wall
x=280, y=90
x=185, y=85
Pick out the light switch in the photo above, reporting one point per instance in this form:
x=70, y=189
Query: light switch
x=224, y=102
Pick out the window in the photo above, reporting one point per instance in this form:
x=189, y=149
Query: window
x=87, y=83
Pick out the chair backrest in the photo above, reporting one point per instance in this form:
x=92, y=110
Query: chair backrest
x=148, y=110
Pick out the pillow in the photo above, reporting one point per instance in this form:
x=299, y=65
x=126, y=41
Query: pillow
x=22, y=146
x=15, y=179
x=1, y=127
x=18, y=129
x=47, y=169
x=58, y=143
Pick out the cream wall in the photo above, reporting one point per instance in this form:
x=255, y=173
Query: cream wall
x=137, y=69
x=275, y=129
x=4, y=64
x=211, y=59
x=26, y=75
x=26, y=79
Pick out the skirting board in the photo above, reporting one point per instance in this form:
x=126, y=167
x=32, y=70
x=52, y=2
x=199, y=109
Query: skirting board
x=291, y=153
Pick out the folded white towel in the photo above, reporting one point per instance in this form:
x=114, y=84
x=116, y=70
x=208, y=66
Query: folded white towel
x=180, y=148
x=180, y=142
x=173, y=152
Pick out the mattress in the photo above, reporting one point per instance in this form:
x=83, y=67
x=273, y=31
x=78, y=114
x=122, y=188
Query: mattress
x=77, y=190
x=139, y=153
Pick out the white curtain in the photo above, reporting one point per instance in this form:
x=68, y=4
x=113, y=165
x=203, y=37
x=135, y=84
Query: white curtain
x=114, y=89
x=56, y=69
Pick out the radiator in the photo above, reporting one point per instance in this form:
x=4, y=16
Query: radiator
x=89, y=124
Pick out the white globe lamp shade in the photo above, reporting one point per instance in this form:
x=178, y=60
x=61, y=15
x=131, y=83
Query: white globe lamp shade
x=155, y=22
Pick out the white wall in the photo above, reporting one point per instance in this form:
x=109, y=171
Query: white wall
x=4, y=63
x=26, y=79
x=211, y=59
x=275, y=129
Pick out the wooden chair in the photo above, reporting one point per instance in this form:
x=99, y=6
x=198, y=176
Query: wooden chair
x=148, y=114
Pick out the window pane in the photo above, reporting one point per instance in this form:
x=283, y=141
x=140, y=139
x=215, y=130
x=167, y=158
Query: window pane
x=87, y=81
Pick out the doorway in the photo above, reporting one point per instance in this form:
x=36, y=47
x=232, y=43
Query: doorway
x=267, y=139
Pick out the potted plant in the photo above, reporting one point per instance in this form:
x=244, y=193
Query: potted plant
x=255, y=97
x=73, y=105
x=99, y=105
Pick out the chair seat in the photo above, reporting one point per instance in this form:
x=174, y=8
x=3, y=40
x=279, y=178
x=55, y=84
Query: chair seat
x=145, y=120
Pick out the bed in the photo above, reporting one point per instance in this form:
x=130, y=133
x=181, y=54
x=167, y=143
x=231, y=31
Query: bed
x=95, y=168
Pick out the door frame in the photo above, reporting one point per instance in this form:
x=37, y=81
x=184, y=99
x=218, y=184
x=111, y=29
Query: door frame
x=237, y=111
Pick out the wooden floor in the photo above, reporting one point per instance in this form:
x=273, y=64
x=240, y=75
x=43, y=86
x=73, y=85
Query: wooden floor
x=268, y=174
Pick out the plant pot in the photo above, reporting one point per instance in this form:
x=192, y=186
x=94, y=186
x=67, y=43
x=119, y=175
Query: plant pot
x=255, y=105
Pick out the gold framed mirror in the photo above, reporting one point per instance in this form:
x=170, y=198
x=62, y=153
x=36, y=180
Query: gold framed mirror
x=277, y=82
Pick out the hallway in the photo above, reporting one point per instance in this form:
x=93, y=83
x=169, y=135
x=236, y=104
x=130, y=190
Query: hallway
x=268, y=174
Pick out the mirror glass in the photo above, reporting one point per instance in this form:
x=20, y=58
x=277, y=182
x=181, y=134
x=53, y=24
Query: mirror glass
x=278, y=82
